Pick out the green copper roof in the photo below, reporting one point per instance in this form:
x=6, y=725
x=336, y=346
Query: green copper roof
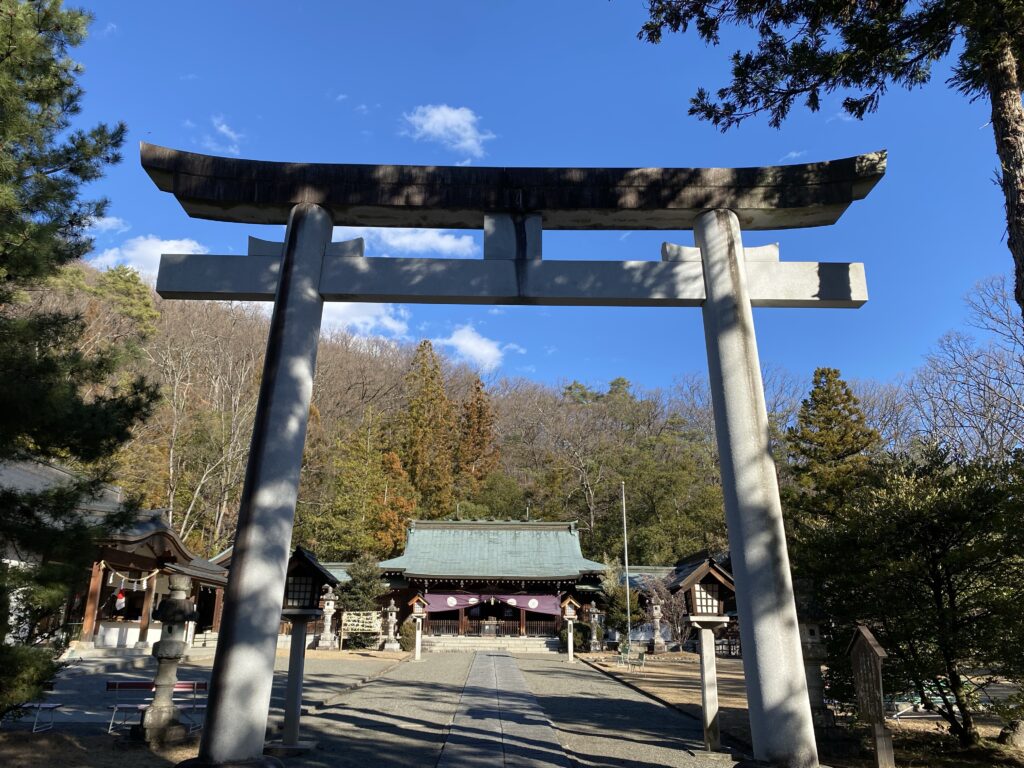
x=492, y=550
x=338, y=571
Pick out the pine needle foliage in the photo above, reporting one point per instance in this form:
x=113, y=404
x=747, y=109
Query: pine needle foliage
x=426, y=432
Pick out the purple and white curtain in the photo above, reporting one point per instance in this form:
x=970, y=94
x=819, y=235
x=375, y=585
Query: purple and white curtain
x=445, y=601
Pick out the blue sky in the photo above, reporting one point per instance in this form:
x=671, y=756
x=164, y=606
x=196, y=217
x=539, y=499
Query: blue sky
x=540, y=84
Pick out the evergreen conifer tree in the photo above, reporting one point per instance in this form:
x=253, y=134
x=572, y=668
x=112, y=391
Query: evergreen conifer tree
x=372, y=504
x=56, y=402
x=476, y=455
x=426, y=434
x=829, y=450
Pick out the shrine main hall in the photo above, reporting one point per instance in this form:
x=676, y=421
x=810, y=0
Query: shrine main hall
x=485, y=579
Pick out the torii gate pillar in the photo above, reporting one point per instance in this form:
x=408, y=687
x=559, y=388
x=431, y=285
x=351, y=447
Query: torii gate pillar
x=779, y=708
x=236, y=718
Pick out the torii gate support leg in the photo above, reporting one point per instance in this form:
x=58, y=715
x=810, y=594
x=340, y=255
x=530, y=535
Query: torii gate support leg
x=779, y=708
x=243, y=670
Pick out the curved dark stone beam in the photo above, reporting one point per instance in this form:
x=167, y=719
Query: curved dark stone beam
x=261, y=192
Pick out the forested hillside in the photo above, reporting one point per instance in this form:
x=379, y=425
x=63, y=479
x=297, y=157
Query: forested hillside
x=399, y=432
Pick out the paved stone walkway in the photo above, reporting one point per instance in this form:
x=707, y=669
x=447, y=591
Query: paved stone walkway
x=449, y=711
x=603, y=724
x=498, y=722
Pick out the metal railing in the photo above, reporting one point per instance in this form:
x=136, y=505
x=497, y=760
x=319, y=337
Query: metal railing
x=442, y=626
x=540, y=628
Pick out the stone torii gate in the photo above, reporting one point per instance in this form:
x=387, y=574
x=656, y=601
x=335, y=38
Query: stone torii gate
x=512, y=206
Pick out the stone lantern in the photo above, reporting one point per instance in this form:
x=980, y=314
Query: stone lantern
x=595, y=627
x=328, y=641
x=391, y=623
x=658, y=642
x=304, y=584
x=706, y=625
x=161, y=721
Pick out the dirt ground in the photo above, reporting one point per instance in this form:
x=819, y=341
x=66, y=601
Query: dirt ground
x=919, y=743
x=65, y=748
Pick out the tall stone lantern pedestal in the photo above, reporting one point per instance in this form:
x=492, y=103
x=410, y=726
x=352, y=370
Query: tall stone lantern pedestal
x=328, y=641
x=657, y=642
x=391, y=619
x=706, y=626
x=161, y=721
x=290, y=743
x=596, y=644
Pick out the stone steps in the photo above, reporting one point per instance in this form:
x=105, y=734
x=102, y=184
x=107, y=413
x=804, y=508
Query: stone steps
x=452, y=644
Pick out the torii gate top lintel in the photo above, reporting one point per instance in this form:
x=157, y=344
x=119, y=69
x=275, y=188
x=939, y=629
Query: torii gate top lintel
x=263, y=192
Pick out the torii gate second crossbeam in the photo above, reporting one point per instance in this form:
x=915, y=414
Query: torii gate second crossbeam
x=512, y=206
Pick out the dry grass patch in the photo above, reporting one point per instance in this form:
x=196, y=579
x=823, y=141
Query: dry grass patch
x=67, y=749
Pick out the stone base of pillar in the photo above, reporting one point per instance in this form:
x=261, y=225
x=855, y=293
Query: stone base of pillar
x=82, y=645
x=659, y=646
x=327, y=642
x=392, y=645
x=266, y=761
x=160, y=727
x=280, y=749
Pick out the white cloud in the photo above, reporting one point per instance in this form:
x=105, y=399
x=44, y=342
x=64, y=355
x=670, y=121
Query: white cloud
x=792, y=155
x=341, y=97
x=454, y=127
x=380, y=240
x=362, y=109
x=189, y=76
x=105, y=224
x=842, y=115
x=143, y=253
x=227, y=139
x=224, y=129
x=186, y=123
x=366, y=319
x=471, y=347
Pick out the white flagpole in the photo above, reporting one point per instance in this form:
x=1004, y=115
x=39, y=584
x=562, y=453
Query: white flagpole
x=625, y=552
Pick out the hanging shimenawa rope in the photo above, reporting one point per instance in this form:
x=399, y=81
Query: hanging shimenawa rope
x=126, y=577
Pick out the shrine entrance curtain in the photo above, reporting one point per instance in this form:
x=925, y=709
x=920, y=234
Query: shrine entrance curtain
x=445, y=601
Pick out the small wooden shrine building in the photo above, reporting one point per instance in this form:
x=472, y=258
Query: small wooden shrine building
x=129, y=578
x=492, y=578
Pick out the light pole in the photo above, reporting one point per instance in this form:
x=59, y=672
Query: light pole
x=625, y=555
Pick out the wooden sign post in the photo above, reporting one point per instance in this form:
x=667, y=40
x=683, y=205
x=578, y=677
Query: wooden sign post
x=866, y=655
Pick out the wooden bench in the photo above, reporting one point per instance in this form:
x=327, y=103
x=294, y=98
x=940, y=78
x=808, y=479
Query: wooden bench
x=135, y=695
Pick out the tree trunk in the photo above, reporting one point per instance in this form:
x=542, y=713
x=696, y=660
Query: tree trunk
x=1008, y=126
